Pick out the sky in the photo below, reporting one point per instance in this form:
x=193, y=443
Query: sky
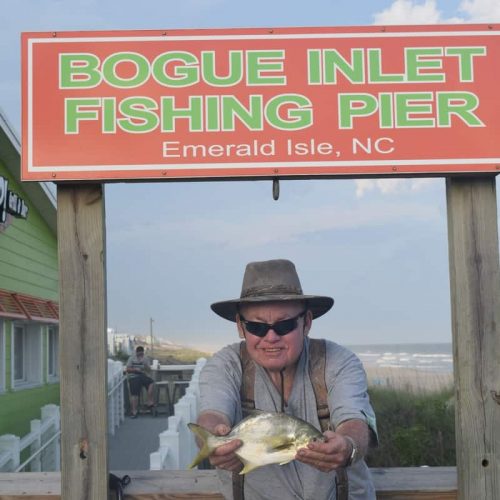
x=378, y=246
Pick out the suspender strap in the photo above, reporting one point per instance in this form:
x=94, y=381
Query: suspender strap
x=317, y=366
x=341, y=484
x=247, y=392
x=238, y=486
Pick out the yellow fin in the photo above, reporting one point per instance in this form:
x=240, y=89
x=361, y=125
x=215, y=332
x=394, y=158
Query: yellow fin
x=205, y=450
x=248, y=466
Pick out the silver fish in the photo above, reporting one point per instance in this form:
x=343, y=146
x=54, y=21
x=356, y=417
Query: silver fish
x=268, y=438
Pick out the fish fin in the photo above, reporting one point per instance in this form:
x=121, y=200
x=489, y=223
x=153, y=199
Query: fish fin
x=203, y=436
x=286, y=461
x=280, y=447
x=248, y=466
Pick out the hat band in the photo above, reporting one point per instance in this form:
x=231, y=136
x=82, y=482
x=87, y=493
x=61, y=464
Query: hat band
x=271, y=290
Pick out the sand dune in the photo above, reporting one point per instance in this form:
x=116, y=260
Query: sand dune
x=408, y=379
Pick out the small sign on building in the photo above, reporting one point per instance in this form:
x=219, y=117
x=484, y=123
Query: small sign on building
x=10, y=203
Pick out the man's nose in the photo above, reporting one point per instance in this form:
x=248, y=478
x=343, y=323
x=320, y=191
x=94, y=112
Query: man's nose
x=272, y=336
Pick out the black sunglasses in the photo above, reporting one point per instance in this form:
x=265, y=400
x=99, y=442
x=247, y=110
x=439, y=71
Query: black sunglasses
x=280, y=327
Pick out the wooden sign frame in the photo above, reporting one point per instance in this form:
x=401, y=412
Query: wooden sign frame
x=475, y=300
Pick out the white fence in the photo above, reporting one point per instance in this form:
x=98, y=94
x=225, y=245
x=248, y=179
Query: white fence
x=177, y=445
x=116, y=403
x=43, y=442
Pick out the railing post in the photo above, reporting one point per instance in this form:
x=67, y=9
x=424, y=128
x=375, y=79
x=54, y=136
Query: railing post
x=36, y=428
x=110, y=402
x=51, y=460
x=121, y=398
x=170, y=439
x=12, y=445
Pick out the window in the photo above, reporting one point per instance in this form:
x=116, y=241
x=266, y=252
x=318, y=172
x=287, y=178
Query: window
x=19, y=353
x=26, y=355
x=53, y=353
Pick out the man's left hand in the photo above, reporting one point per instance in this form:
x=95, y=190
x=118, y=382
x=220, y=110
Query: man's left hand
x=327, y=455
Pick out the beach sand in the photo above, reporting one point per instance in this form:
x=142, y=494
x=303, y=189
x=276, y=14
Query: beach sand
x=408, y=379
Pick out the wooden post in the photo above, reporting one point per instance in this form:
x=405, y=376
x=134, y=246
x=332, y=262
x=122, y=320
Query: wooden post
x=475, y=304
x=83, y=353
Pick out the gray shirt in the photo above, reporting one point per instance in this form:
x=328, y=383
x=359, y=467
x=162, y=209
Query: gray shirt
x=220, y=383
x=143, y=365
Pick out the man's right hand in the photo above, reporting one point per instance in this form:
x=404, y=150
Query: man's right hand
x=224, y=456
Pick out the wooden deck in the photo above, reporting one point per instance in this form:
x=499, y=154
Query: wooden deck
x=409, y=483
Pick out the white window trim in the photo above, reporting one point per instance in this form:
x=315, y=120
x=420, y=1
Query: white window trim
x=51, y=378
x=20, y=384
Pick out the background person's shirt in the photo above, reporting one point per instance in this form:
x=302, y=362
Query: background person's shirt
x=143, y=365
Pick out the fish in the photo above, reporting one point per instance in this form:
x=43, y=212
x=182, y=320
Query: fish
x=268, y=438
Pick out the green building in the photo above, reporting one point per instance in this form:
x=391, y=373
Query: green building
x=29, y=315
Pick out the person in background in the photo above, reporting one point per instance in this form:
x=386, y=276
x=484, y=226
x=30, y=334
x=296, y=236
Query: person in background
x=138, y=367
x=274, y=318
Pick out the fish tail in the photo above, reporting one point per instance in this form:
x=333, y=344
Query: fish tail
x=205, y=450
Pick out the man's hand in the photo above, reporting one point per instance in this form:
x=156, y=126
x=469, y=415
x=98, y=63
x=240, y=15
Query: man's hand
x=224, y=457
x=328, y=455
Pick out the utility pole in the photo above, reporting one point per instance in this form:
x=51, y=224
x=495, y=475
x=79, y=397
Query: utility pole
x=151, y=338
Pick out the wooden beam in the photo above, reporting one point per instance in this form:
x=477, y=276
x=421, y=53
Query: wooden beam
x=475, y=305
x=83, y=345
x=401, y=483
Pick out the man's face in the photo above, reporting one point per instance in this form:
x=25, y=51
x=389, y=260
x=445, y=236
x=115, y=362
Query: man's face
x=274, y=352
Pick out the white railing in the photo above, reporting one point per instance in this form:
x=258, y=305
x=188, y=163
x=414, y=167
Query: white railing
x=177, y=445
x=43, y=442
x=116, y=403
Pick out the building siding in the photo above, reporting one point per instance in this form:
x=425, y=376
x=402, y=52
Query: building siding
x=28, y=252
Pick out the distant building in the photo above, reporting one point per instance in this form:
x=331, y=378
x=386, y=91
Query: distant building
x=123, y=343
x=29, y=291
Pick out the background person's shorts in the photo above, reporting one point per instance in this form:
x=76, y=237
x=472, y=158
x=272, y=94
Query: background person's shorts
x=136, y=383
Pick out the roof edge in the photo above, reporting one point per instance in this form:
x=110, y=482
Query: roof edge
x=39, y=193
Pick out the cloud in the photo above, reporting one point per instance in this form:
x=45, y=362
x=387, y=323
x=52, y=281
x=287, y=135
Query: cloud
x=393, y=186
x=427, y=12
x=402, y=11
x=409, y=12
x=481, y=10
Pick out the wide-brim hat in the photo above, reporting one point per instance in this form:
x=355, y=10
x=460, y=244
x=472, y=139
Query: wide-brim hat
x=271, y=281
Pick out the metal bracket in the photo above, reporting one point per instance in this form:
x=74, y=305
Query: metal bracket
x=276, y=189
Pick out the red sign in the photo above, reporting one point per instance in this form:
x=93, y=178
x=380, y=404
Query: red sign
x=261, y=103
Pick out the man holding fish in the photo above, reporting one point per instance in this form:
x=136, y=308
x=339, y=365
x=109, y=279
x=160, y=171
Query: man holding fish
x=278, y=446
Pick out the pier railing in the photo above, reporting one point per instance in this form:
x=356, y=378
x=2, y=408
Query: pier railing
x=409, y=483
x=177, y=445
x=39, y=450
x=42, y=443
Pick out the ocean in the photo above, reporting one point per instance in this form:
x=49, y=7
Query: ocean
x=428, y=357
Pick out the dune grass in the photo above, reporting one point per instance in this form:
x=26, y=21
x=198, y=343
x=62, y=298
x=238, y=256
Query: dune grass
x=415, y=428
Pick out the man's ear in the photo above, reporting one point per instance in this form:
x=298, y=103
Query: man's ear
x=308, y=318
x=241, y=332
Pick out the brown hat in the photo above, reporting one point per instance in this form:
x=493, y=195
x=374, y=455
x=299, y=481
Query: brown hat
x=269, y=281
